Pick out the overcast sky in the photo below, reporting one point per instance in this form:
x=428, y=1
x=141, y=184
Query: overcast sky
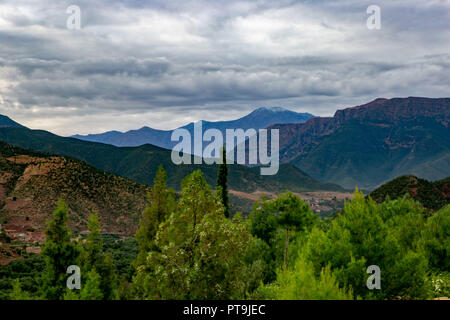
x=164, y=63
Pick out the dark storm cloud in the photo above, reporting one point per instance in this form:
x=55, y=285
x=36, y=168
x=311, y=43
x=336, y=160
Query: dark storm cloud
x=164, y=63
x=27, y=66
x=128, y=66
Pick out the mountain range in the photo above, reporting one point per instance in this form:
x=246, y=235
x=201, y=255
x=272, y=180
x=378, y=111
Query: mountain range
x=362, y=146
x=258, y=119
x=141, y=163
x=370, y=144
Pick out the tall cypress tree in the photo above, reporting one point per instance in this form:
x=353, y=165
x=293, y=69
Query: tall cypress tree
x=222, y=184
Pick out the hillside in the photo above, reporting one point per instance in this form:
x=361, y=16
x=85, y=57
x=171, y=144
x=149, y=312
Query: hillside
x=140, y=163
x=32, y=182
x=6, y=122
x=432, y=195
x=258, y=119
x=368, y=145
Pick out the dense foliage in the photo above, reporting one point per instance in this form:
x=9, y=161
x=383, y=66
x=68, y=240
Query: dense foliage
x=162, y=203
x=59, y=253
x=186, y=248
x=198, y=253
x=222, y=183
x=432, y=195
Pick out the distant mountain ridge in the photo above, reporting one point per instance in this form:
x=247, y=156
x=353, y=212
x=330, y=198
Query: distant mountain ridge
x=141, y=163
x=363, y=146
x=258, y=119
x=369, y=144
x=6, y=122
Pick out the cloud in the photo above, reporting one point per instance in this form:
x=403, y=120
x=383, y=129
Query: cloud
x=164, y=63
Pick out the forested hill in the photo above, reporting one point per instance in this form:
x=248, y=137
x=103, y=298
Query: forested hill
x=432, y=195
x=31, y=183
x=141, y=163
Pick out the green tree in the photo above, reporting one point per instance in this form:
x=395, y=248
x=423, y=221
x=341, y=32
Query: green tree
x=199, y=252
x=362, y=235
x=260, y=258
x=93, y=247
x=94, y=258
x=17, y=293
x=263, y=224
x=71, y=295
x=280, y=222
x=162, y=203
x=436, y=240
x=59, y=253
x=222, y=184
x=405, y=219
x=409, y=277
x=92, y=288
x=263, y=221
x=301, y=283
x=293, y=214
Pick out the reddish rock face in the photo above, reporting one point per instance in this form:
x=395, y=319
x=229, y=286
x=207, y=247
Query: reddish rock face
x=388, y=116
x=31, y=185
x=396, y=109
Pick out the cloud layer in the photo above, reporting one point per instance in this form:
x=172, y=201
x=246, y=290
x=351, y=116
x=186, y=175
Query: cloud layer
x=165, y=63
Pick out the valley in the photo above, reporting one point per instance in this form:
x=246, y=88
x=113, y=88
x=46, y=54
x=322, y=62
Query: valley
x=324, y=203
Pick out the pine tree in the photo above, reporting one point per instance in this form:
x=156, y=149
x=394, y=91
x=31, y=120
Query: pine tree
x=286, y=211
x=301, y=283
x=59, y=253
x=199, y=254
x=71, y=295
x=294, y=214
x=222, y=185
x=17, y=292
x=162, y=203
x=91, y=290
x=93, y=246
x=95, y=259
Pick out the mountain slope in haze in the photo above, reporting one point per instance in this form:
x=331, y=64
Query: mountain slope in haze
x=106, y=137
x=258, y=119
x=432, y=195
x=367, y=145
x=141, y=163
x=32, y=182
x=6, y=122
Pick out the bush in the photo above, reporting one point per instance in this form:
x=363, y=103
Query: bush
x=368, y=234
x=302, y=284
